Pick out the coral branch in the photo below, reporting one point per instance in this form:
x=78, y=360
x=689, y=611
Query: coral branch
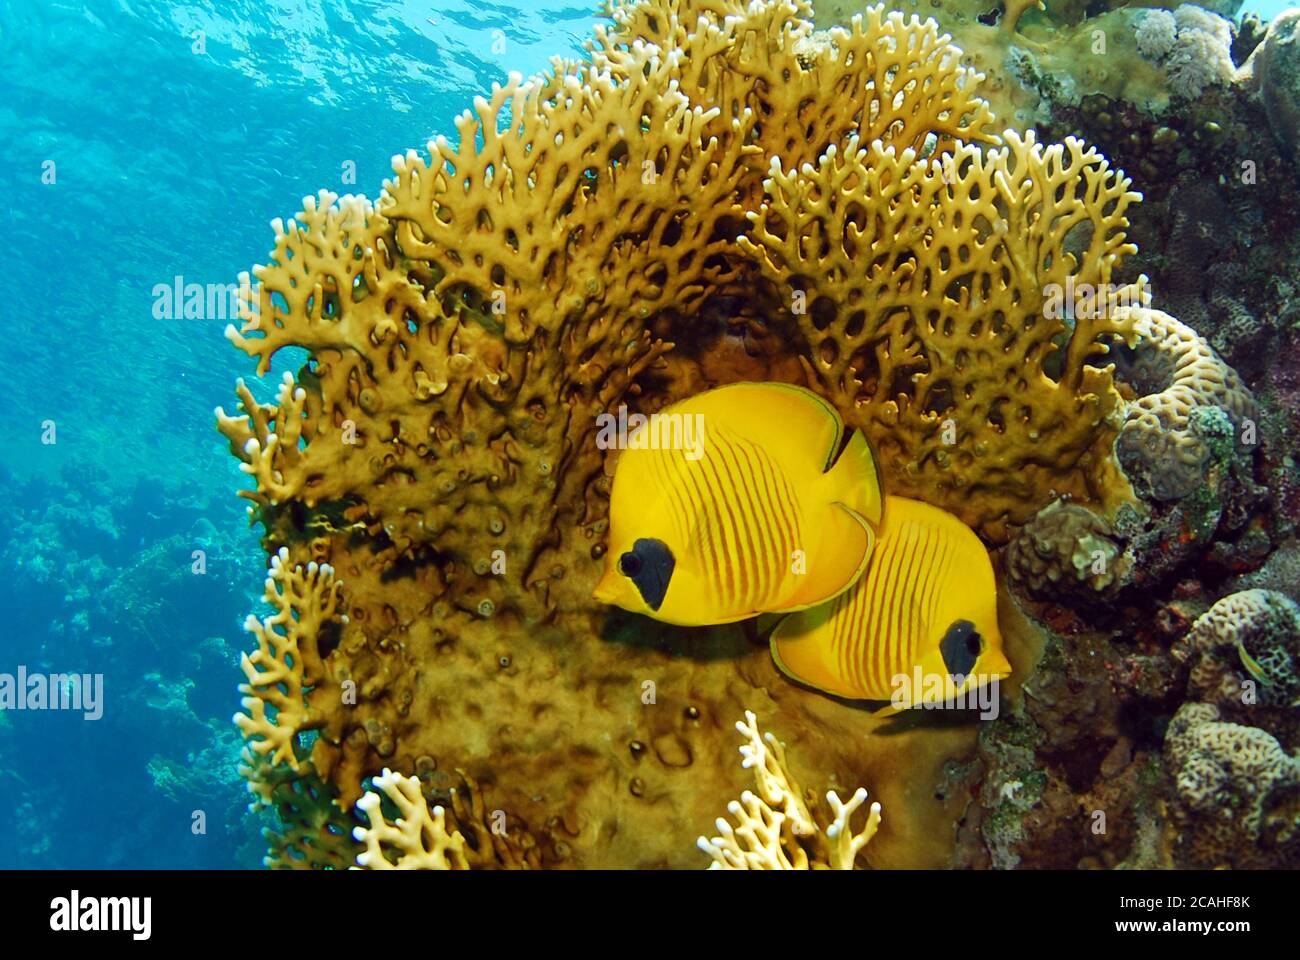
x=774, y=829
x=417, y=839
x=285, y=662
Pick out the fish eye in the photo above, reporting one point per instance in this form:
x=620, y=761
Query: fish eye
x=629, y=564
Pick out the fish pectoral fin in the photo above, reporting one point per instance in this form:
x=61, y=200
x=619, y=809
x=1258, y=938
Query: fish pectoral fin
x=847, y=542
x=800, y=652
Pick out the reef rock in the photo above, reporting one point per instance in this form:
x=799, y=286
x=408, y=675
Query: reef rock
x=1276, y=70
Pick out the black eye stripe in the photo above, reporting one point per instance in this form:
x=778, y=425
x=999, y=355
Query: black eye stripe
x=960, y=648
x=649, y=565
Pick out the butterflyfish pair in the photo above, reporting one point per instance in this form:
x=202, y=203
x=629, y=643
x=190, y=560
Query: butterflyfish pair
x=770, y=510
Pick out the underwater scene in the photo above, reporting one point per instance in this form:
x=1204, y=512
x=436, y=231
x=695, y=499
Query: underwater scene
x=683, y=434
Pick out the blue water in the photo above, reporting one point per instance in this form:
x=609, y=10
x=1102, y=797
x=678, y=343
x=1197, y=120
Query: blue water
x=1267, y=9
x=169, y=162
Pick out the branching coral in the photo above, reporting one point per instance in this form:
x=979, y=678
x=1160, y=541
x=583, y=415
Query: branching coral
x=1036, y=61
x=581, y=245
x=929, y=318
x=417, y=839
x=314, y=833
x=424, y=838
x=774, y=828
x=286, y=660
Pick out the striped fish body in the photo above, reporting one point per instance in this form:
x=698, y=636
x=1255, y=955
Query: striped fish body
x=752, y=519
x=926, y=608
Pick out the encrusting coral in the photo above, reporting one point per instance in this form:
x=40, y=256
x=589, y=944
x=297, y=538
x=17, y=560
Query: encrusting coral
x=1066, y=551
x=774, y=828
x=1239, y=791
x=714, y=175
x=1247, y=643
x=1159, y=445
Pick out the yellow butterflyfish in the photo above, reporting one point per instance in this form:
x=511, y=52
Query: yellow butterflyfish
x=739, y=501
x=920, y=627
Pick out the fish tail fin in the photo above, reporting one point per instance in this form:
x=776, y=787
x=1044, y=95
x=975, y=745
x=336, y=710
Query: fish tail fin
x=854, y=480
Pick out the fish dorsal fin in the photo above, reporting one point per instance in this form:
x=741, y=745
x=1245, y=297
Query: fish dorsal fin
x=855, y=481
x=795, y=425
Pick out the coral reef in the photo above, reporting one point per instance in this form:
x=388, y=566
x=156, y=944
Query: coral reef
x=287, y=658
x=1039, y=60
x=717, y=192
x=1239, y=792
x=1231, y=747
x=1192, y=44
x=1274, y=70
x=102, y=577
x=949, y=354
x=1066, y=780
x=419, y=840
